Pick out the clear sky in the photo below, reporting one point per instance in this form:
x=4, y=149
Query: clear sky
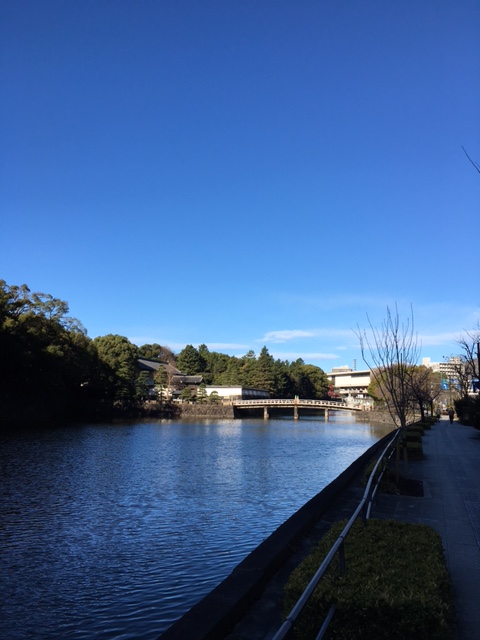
x=243, y=173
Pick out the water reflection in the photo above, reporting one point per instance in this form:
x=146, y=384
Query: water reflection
x=115, y=531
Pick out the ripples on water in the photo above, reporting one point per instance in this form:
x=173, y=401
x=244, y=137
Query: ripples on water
x=113, y=532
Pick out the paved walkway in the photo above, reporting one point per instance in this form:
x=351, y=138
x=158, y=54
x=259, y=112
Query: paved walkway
x=451, y=506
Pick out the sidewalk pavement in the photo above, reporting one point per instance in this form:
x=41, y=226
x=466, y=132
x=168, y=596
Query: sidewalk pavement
x=451, y=505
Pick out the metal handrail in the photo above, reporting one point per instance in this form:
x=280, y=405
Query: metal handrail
x=338, y=546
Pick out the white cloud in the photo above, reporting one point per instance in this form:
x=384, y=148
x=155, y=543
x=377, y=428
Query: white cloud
x=214, y=346
x=436, y=340
x=295, y=355
x=293, y=334
x=284, y=336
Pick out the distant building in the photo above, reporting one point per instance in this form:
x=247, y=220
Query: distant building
x=175, y=382
x=230, y=393
x=448, y=369
x=351, y=385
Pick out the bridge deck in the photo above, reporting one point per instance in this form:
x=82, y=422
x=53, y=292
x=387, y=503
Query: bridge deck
x=291, y=403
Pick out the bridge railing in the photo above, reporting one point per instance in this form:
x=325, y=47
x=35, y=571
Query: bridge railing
x=364, y=509
x=272, y=401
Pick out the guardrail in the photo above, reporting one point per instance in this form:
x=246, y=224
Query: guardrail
x=338, y=547
x=268, y=401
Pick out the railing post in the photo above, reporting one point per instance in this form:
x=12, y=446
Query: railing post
x=341, y=558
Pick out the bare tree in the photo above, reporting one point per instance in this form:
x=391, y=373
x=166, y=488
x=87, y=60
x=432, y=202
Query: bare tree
x=475, y=164
x=392, y=350
x=469, y=366
x=425, y=387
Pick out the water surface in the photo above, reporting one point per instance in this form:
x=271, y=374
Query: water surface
x=114, y=531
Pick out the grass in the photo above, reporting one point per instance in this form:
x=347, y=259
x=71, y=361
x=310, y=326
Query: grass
x=396, y=586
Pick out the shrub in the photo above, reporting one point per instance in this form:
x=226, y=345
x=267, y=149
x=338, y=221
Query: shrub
x=468, y=411
x=396, y=585
x=415, y=430
x=414, y=450
x=413, y=437
x=424, y=424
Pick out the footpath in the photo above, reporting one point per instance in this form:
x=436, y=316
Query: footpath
x=451, y=505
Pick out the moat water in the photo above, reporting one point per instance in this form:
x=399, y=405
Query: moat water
x=112, y=532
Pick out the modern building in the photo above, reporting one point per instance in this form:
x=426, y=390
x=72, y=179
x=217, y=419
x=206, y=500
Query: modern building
x=351, y=385
x=448, y=369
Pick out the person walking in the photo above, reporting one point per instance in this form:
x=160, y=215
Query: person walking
x=451, y=413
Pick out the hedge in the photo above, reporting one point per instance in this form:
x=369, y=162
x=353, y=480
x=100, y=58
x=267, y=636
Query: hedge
x=396, y=586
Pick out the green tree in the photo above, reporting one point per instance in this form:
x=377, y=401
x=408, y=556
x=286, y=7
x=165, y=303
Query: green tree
x=202, y=393
x=318, y=381
x=157, y=352
x=142, y=386
x=232, y=374
x=214, y=398
x=150, y=351
x=119, y=355
x=46, y=358
x=248, y=362
x=186, y=394
x=283, y=387
x=190, y=362
x=301, y=383
x=162, y=382
x=217, y=365
x=262, y=374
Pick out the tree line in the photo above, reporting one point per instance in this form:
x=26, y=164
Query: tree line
x=51, y=371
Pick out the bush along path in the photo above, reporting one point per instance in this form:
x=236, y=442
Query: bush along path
x=395, y=585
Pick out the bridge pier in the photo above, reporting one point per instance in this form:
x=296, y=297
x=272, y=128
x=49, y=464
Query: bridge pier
x=326, y=414
x=295, y=412
x=265, y=412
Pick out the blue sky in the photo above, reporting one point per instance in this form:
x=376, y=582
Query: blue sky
x=244, y=173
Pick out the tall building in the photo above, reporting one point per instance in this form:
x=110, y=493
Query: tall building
x=448, y=370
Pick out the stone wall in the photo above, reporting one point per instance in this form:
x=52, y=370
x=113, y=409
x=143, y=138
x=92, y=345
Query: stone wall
x=199, y=410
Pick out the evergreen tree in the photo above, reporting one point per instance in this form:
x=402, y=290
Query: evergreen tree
x=262, y=375
x=202, y=393
x=119, y=356
x=190, y=362
x=47, y=361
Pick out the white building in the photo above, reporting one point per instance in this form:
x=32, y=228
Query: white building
x=351, y=385
x=448, y=370
x=227, y=393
